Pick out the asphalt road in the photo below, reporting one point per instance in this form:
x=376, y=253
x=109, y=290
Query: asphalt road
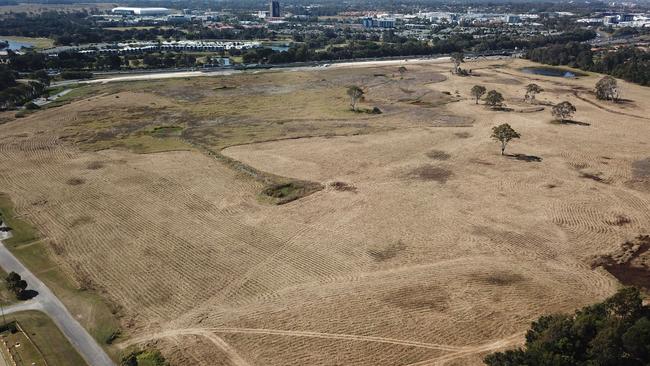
x=157, y=75
x=49, y=304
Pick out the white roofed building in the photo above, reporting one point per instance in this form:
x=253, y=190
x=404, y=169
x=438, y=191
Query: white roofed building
x=123, y=10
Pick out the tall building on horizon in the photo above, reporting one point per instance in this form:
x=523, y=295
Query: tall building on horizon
x=275, y=9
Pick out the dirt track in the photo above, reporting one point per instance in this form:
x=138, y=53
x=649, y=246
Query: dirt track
x=444, y=250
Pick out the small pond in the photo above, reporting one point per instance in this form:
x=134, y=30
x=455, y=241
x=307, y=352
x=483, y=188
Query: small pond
x=15, y=45
x=552, y=71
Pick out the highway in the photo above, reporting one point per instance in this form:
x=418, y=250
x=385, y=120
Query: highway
x=190, y=73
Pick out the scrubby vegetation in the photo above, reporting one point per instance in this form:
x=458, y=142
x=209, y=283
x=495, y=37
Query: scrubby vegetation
x=628, y=63
x=148, y=357
x=283, y=193
x=614, y=332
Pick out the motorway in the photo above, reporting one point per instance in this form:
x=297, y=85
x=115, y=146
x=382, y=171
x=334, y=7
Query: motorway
x=49, y=304
x=166, y=74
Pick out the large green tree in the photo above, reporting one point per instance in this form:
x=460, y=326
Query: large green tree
x=563, y=111
x=607, y=89
x=532, y=90
x=494, y=99
x=504, y=134
x=477, y=92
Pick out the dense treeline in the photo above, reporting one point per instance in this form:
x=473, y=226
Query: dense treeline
x=398, y=46
x=75, y=61
x=64, y=28
x=629, y=63
x=614, y=332
x=14, y=93
x=76, y=28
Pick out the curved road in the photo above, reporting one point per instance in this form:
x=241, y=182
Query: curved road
x=49, y=304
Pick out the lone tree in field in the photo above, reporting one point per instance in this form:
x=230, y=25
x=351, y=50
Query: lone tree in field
x=494, y=99
x=355, y=94
x=504, y=133
x=531, y=91
x=457, y=58
x=607, y=89
x=477, y=92
x=563, y=111
x=402, y=70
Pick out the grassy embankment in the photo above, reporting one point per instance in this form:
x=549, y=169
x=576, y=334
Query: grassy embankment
x=94, y=313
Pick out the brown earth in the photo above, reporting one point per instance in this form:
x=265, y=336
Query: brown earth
x=443, y=251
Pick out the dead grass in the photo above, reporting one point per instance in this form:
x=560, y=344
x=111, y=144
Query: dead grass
x=181, y=250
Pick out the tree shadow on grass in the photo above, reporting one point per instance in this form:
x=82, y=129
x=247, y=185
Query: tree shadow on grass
x=28, y=295
x=570, y=122
x=526, y=158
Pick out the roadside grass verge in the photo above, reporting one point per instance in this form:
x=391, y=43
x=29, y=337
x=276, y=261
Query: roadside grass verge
x=47, y=341
x=94, y=313
x=78, y=92
x=21, y=231
x=6, y=296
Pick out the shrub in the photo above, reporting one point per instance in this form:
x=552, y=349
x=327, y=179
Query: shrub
x=31, y=106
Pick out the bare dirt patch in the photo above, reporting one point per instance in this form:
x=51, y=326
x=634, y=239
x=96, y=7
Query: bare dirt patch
x=419, y=298
x=343, y=187
x=388, y=252
x=95, y=165
x=75, y=181
x=596, y=177
x=438, y=155
x=430, y=173
x=631, y=263
x=641, y=168
x=499, y=278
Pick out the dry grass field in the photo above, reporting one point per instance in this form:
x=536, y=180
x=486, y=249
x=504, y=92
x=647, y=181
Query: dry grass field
x=424, y=246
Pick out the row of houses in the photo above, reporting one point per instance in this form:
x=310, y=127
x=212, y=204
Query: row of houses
x=144, y=47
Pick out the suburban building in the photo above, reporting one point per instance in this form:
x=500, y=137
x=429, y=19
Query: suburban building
x=378, y=22
x=274, y=9
x=122, y=10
